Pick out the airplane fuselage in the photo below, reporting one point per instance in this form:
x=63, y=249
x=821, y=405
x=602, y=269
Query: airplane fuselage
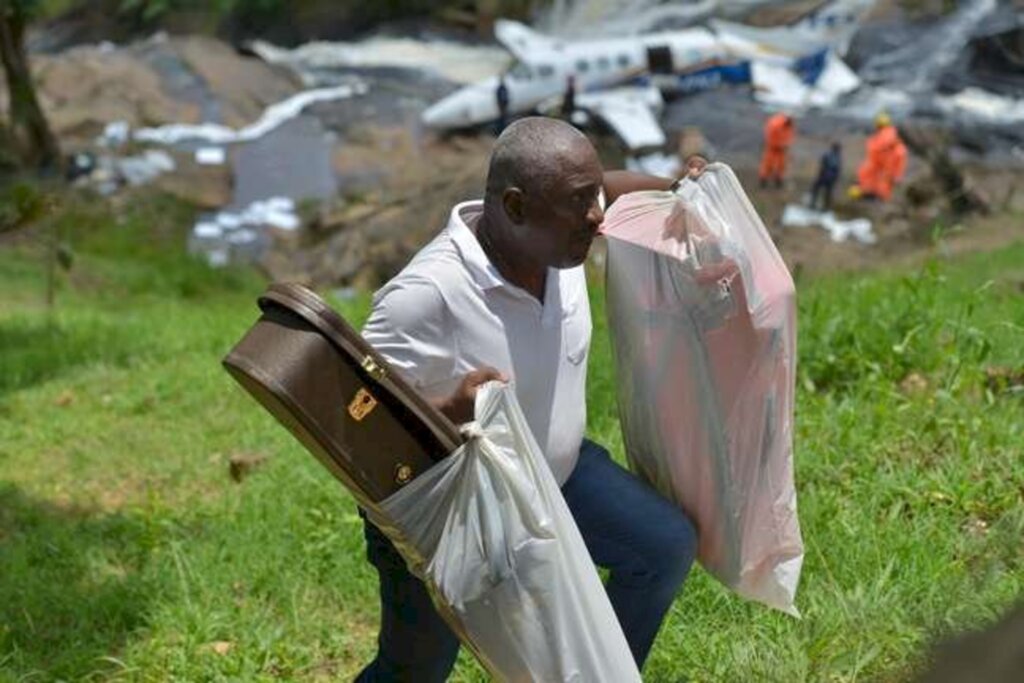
x=544, y=74
x=545, y=65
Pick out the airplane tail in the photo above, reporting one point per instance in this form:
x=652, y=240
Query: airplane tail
x=831, y=24
x=519, y=39
x=834, y=22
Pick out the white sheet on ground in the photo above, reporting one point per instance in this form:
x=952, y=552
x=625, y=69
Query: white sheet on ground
x=984, y=105
x=489, y=531
x=798, y=216
x=272, y=117
x=702, y=314
x=453, y=61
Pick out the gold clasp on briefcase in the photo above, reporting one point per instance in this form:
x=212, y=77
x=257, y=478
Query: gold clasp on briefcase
x=372, y=369
x=403, y=474
x=362, y=405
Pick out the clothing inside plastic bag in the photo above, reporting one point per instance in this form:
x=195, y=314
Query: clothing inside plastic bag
x=702, y=313
x=488, y=530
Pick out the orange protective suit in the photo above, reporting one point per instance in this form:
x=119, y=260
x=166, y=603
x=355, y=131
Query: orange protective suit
x=885, y=162
x=778, y=136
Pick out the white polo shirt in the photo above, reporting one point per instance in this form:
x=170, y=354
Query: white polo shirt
x=450, y=311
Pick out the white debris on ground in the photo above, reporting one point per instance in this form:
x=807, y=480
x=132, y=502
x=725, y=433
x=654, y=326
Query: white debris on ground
x=227, y=236
x=107, y=173
x=657, y=163
x=859, y=229
x=211, y=156
x=241, y=236
x=145, y=167
x=455, y=62
x=865, y=104
x=984, y=105
x=115, y=134
x=272, y=117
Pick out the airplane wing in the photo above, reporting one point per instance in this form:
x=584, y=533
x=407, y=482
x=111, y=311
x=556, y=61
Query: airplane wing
x=781, y=87
x=630, y=112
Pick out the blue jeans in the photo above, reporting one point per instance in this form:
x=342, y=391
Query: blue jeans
x=645, y=542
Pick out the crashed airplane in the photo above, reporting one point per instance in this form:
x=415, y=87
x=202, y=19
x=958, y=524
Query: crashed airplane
x=621, y=81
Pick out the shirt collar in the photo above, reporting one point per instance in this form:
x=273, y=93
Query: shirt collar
x=483, y=271
x=479, y=266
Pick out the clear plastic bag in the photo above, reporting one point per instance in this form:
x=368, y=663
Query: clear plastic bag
x=702, y=313
x=489, y=532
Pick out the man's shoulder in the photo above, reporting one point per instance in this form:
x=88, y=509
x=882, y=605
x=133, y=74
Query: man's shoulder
x=434, y=272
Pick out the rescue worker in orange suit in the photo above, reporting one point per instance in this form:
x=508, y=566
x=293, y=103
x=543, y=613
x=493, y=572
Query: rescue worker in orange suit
x=885, y=162
x=779, y=132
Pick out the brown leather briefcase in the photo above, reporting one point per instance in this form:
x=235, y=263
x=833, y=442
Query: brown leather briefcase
x=337, y=396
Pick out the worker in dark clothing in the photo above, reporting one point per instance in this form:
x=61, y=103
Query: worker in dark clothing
x=501, y=97
x=569, y=98
x=828, y=174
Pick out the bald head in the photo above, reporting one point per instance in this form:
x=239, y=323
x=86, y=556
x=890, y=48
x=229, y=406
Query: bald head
x=541, y=208
x=532, y=153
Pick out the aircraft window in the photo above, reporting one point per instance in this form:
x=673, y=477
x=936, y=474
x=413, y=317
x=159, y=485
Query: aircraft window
x=521, y=72
x=582, y=66
x=603, y=64
x=622, y=60
x=545, y=71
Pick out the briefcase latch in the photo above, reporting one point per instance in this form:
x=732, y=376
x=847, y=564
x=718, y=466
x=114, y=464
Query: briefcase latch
x=403, y=474
x=362, y=405
x=372, y=369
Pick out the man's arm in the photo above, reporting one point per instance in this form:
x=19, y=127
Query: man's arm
x=409, y=325
x=618, y=183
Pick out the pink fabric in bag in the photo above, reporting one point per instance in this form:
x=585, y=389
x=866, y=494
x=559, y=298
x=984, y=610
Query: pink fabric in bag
x=702, y=312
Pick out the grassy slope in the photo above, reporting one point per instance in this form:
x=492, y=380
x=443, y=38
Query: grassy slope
x=126, y=551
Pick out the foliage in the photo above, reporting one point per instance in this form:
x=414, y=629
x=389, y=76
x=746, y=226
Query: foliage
x=128, y=553
x=21, y=203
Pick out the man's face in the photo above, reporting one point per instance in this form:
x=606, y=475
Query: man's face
x=561, y=219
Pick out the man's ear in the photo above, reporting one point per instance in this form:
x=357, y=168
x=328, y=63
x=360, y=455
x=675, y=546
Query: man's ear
x=512, y=199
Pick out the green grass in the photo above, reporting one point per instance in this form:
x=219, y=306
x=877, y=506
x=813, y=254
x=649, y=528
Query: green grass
x=126, y=551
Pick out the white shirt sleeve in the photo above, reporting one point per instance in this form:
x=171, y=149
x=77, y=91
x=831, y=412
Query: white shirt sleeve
x=409, y=325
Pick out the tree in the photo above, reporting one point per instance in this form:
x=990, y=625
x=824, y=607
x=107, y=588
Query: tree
x=33, y=138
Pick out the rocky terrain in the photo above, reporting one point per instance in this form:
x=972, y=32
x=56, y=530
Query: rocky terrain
x=372, y=186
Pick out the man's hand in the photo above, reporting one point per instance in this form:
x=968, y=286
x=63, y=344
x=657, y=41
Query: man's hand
x=459, y=407
x=725, y=270
x=695, y=165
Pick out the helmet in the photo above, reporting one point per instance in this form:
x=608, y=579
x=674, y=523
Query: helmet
x=882, y=120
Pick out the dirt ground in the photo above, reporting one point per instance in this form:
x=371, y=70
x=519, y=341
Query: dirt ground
x=906, y=234
x=429, y=175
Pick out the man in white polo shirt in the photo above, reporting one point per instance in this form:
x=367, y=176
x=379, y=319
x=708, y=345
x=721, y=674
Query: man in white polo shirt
x=500, y=293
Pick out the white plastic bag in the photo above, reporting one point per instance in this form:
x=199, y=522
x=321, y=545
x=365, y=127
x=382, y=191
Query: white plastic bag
x=702, y=313
x=488, y=530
